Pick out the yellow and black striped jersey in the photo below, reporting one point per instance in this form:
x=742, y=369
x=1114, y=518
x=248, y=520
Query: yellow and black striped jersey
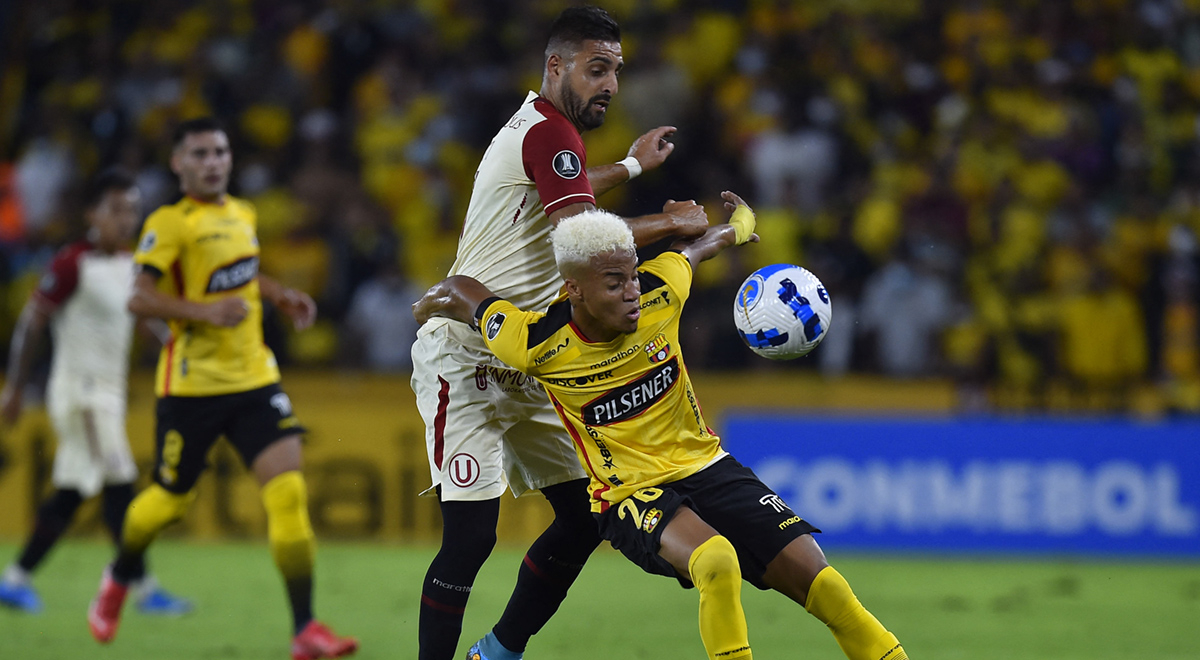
x=628, y=403
x=205, y=252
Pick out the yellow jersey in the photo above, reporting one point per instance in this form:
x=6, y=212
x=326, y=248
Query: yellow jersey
x=628, y=404
x=205, y=252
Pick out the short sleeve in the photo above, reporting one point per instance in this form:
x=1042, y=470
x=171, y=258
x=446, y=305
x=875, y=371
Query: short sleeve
x=160, y=242
x=555, y=159
x=61, y=277
x=505, y=329
x=671, y=269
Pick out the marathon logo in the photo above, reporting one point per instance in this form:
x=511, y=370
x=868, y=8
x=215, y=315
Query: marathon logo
x=633, y=398
x=616, y=358
x=234, y=276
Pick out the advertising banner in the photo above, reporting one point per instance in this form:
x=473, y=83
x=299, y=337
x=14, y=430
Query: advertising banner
x=1104, y=487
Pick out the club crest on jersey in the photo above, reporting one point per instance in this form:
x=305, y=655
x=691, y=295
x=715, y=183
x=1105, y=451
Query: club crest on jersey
x=494, y=323
x=148, y=241
x=566, y=164
x=658, y=349
x=234, y=276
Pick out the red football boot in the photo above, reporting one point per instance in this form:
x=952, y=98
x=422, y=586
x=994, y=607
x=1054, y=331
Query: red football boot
x=104, y=613
x=317, y=641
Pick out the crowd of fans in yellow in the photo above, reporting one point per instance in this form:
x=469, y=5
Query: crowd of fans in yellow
x=1006, y=193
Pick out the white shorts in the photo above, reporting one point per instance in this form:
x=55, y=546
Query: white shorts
x=487, y=426
x=93, y=449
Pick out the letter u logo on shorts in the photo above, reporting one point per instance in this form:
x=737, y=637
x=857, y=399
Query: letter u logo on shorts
x=463, y=470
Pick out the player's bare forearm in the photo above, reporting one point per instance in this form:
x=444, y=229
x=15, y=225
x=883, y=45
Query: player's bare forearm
x=739, y=230
x=148, y=301
x=649, y=150
x=270, y=288
x=456, y=297
x=712, y=243
x=606, y=177
x=296, y=304
x=26, y=341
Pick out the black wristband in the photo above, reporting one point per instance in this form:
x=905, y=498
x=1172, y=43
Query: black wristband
x=478, y=319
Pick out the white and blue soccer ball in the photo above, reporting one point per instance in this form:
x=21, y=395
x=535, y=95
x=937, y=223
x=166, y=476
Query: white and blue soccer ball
x=782, y=311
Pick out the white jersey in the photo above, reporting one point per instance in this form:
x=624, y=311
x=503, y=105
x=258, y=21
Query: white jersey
x=91, y=325
x=534, y=166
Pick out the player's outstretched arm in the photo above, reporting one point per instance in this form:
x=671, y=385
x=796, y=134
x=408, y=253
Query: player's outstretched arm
x=457, y=297
x=147, y=300
x=648, y=152
x=739, y=230
x=26, y=339
x=683, y=220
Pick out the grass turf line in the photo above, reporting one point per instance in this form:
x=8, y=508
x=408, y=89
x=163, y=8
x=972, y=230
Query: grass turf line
x=941, y=609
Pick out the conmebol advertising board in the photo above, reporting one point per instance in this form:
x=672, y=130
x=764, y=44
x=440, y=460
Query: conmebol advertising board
x=1089, y=487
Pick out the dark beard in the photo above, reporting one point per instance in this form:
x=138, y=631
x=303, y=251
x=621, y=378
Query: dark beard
x=584, y=116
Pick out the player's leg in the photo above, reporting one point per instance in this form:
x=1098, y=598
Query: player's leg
x=659, y=530
x=53, y=518
x=708, y=559
x=149, y=595
x=185, y=428
x=468, y=536
x=267, y=436
x=104, y=422
x=801, y=573
x=77, y=474
x=540, y=455
x=464, y=444
x=547, y=571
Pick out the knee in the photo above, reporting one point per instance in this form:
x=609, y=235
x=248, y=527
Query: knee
x=159, y=503
x=285, y=497
x=572, y=508
x=62, y=504
x=469, y=530
x=714, y=561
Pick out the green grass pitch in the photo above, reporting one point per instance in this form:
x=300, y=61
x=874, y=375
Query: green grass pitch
x=941, y=608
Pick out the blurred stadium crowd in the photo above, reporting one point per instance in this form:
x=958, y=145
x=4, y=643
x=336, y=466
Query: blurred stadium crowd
x=1006, y=193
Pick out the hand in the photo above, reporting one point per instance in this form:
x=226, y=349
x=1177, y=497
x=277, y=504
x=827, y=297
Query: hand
x=226, y=312
x=436, y=300
x=298, y=306
x=652, y=148
x=742, y=220
x=11, y=402
x=690, y=219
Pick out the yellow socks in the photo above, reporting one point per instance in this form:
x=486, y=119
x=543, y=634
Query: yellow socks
x=288, y=528
x=149, y=513
x=860, y=634
x=717, y=576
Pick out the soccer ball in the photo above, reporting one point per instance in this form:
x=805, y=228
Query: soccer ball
x=782, y=311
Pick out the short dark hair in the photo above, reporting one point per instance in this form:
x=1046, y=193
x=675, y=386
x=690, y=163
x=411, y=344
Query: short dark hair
x=198, y=125
x=113, y=178
x=578, y=24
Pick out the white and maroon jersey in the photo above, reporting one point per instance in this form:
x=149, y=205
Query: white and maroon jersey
x=87, y=292
x=534, y=166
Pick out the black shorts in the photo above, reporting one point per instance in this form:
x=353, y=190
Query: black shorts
x=187, y=426
x=729, y=497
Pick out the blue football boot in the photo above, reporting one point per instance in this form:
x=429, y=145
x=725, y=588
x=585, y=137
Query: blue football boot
x=20, y=596
x=153, y=599
x=490, y=648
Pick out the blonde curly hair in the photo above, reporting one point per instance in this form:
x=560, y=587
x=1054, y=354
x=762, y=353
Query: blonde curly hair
x=580, y=237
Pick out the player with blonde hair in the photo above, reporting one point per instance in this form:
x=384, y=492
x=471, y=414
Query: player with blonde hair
x=662, y=489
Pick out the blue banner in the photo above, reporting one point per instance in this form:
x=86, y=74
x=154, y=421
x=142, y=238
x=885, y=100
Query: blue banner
x=1088, y=487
